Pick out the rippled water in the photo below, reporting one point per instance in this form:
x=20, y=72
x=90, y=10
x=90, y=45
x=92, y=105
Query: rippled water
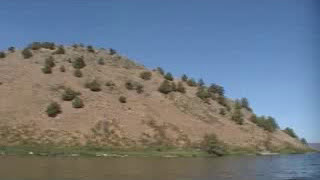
x=287, y=167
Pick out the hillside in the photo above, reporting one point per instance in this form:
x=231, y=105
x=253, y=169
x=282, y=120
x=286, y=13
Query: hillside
x=142, y=117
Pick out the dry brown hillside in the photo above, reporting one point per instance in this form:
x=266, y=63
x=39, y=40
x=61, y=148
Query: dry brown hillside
x=146, y=118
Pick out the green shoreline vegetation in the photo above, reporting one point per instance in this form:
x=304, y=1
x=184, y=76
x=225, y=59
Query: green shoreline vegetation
x=169, y=152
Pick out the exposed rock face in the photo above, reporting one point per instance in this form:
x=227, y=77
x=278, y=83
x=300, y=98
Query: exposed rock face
x=148, y=117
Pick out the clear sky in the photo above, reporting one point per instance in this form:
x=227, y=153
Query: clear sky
x=267, y=51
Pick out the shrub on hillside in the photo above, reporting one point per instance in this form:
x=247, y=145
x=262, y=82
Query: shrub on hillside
x=212, y=145
x=130, y=85
x=191, y=82
x=181, y=88
x=139, y=88
x=200, y=82
x=237, y=115
x=266, y=123
x=203, y=93
x=12, y=49
x=49, y=62
x=77, y=103
x=165, y=87
x=69, y=94
x=60, y=50
x=53, y=109
x=2, y=55
x=146, y=75
x=245, y=103
x=112, y=51
x=168, y=77
x=110, y=83
x=62, y=68
x=93, y=85
x=160, y=70
x=122, y=99
x=46, y=69
x=79, y=63
x=222, y=111
x=77, y=73
x=101, y=61
x=290, y=132
x=26, y=53
x=184, y=78
x=90, y=49
x=45, y=45
x=304, y=141
x=216, y=89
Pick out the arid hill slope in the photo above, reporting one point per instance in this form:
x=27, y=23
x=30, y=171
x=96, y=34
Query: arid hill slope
x=147, y=118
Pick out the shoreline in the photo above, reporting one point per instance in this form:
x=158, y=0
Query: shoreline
x=121, y=153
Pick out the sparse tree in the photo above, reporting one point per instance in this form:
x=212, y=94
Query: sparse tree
x=203, y=93
x=90, y=49
x=12, y=49
x=160, y=70
x=112, y=51
x=237, y=115
x=184, y=78
x=168, y=77
x=191, y=82
x=304, y=141
x=290, y=132
x=200, y=82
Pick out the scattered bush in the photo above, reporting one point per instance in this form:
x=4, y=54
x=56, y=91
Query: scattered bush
x=200, y=82
x=290, y=132
x=26, y=53
x=139, y=88
x=130, y=85
x=268, y=124
x=62, y=68
x=101, y=61
x=77, y=103
x=110, y=83
x=49, y=62
x=112, y=51
x=93, y=85
x=53, y=109
x=237, y=116
x=90, y=49
x=12, y=49
x=304, y=141
x=146, y=75
x=2, y=55
x=160, y=70
x=212, y=145
x=77, y=73
x=165, y=87
x=122, y=99
x=79, y=63
x=245, y=104
x=203, y=93
x=45, y=45
x=181, y=88
x=69, y=94
x=222, y=111
x=191, y=82
x=173, y=86
x=60, y=50
x=184, y=78
x=168, y=77
x=46, y=69
x=216, y=89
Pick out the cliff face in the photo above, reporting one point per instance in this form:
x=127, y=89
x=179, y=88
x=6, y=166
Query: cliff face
x=147, y=118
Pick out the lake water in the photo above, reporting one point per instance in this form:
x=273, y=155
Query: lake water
x=287, y=167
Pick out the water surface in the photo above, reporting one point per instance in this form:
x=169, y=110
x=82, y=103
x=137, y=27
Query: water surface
x=287, y=167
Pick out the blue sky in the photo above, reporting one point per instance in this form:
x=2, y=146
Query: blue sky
x=262, y=50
